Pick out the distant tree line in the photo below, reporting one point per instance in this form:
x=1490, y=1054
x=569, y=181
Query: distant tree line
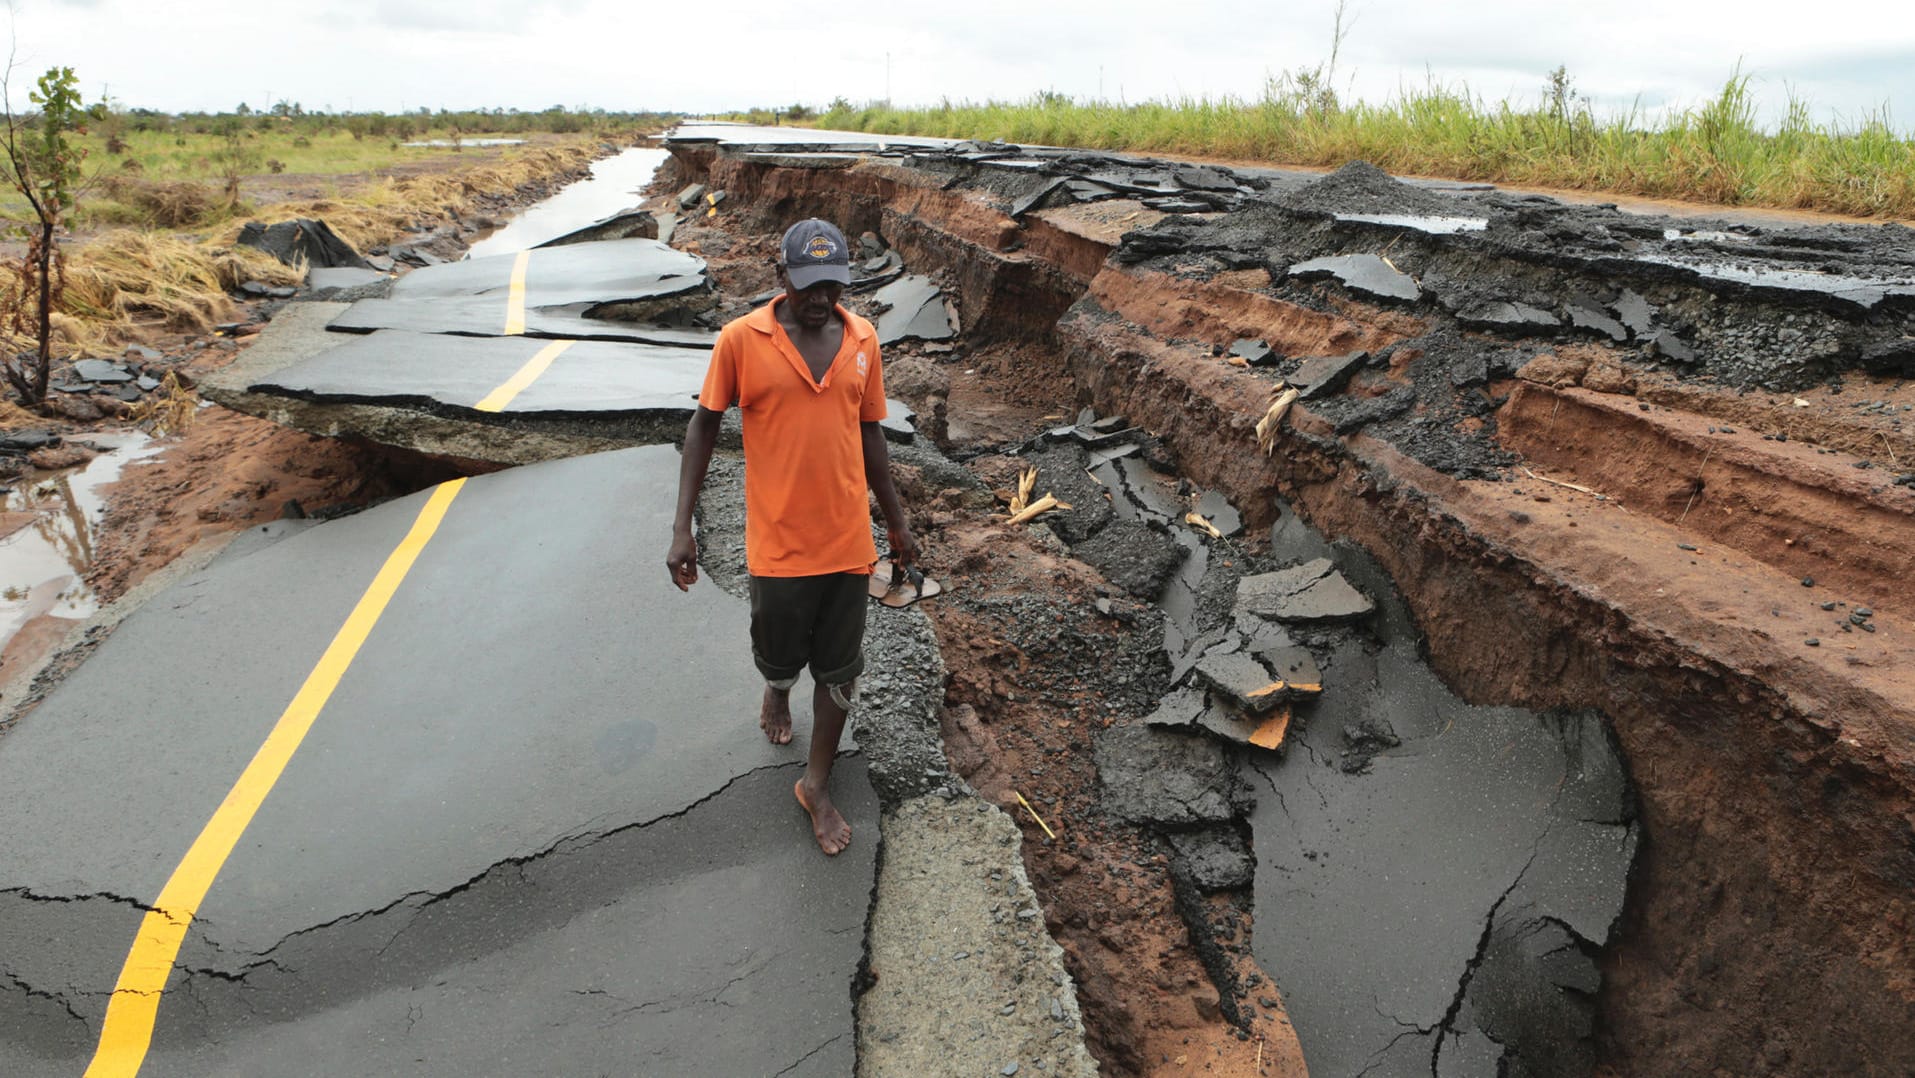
x=292, y=117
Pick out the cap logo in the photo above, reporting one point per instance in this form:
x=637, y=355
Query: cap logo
x=820, y=248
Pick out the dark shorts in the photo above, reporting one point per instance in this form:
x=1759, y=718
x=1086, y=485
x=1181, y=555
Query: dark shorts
x=815, y=621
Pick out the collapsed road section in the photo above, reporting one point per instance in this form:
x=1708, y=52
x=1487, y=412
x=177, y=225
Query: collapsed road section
x=1647, y=474
x=1440, y=631
x=602, y=343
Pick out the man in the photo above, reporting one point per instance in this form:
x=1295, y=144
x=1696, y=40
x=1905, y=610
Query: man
x=805, y=374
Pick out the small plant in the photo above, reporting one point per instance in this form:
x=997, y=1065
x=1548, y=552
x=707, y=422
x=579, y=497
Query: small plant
x=275, y=166
x=43, y=163
x=234, y=158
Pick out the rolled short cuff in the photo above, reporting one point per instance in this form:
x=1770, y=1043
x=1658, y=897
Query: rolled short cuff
x=847, y=673
x=777, y=676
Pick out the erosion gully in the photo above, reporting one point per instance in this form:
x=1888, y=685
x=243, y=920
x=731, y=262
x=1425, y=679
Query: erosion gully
x=1588, y=528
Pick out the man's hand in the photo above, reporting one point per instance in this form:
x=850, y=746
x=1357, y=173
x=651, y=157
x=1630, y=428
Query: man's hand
x=904, y=545
x=682, y=560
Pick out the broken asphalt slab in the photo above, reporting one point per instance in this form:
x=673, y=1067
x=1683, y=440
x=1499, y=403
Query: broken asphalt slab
x=437, y=371
x=1366, y=274
x=914, y=310
x=1312, y=591
x=422, y=391
x=978, y=937
x=559, y=287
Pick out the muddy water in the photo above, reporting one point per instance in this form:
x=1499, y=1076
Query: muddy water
x=614, y=185
x=1432, y=879
x=48, y=519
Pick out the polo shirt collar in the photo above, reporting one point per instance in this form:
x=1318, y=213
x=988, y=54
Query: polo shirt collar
x=765, y=320
x=858, y=334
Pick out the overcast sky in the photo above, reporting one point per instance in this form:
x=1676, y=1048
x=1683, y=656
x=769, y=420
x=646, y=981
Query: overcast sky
x=1849, y=58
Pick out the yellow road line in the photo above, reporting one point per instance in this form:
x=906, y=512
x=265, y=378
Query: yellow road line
x=515, y=298
x=128, y=1030
x=496, y=400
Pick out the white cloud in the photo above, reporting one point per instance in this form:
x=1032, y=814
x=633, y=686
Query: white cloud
x=210, y=54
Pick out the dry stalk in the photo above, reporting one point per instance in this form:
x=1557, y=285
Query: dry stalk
x=1579, y=488
x=1698, y=486
x=1272, y=419
x=1034, y=815
x=1037, y=508
x=1199, y=522
x=1025, y=483
x=169, y=410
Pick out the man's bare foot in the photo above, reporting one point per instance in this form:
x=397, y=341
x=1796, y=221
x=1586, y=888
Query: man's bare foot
x=775, y=717
x=827, y=826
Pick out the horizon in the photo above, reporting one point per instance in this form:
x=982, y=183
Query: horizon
x=397, y=56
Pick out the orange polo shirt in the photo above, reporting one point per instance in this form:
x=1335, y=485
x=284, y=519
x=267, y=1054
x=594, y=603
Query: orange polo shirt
x=806, y=510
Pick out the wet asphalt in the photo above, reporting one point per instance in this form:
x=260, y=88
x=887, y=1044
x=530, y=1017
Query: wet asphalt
x=535, y=827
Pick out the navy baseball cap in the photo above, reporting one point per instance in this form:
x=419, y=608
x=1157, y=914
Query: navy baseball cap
x=814, y=251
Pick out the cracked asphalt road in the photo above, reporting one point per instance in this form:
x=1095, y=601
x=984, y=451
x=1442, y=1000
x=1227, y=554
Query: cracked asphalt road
x=1436, y=907
x=534, y=830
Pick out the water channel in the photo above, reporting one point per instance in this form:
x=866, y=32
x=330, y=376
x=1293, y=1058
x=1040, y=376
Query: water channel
x=616, y=184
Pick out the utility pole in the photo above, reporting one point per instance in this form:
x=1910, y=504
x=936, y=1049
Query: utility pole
x=887, y=80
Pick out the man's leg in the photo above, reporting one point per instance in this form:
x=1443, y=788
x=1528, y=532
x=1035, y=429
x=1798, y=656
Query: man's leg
x=774, y=715
x=836, y=661
x=828, y=825
x=782, y=612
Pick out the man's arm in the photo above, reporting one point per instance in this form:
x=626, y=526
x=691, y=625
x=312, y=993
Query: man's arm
x=877, y=475
x=701, y=435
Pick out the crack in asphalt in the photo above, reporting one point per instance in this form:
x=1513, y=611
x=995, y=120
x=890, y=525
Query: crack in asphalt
x=801, y=1059
x=1446, y=1027
x=426, y=899
x=682, y=999
x=28, y=894
x=12, y=983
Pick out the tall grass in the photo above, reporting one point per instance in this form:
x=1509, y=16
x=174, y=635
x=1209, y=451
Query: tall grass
x=1716, y=152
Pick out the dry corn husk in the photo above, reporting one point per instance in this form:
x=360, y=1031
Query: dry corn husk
x=1272, y=419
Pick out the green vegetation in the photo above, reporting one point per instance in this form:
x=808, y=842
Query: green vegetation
x=1713, y=153
x=153, y=219
x=151, y=166
x=43, y=165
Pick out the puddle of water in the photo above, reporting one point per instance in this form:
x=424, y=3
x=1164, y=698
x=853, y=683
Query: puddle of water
x=1707, y=235
x=45, y=555
x=443, y=142
x=1862, y=291
x=1438, y=226
x=614, y=185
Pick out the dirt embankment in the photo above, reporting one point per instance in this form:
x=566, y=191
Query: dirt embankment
x=1583, y=505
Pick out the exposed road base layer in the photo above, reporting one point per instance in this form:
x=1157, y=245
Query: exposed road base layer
x=1757, y=675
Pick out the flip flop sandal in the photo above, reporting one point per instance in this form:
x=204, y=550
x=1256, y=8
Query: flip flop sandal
x=881, y=575
x=914, y=586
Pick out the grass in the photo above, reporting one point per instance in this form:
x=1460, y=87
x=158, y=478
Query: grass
x=1716, y=152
